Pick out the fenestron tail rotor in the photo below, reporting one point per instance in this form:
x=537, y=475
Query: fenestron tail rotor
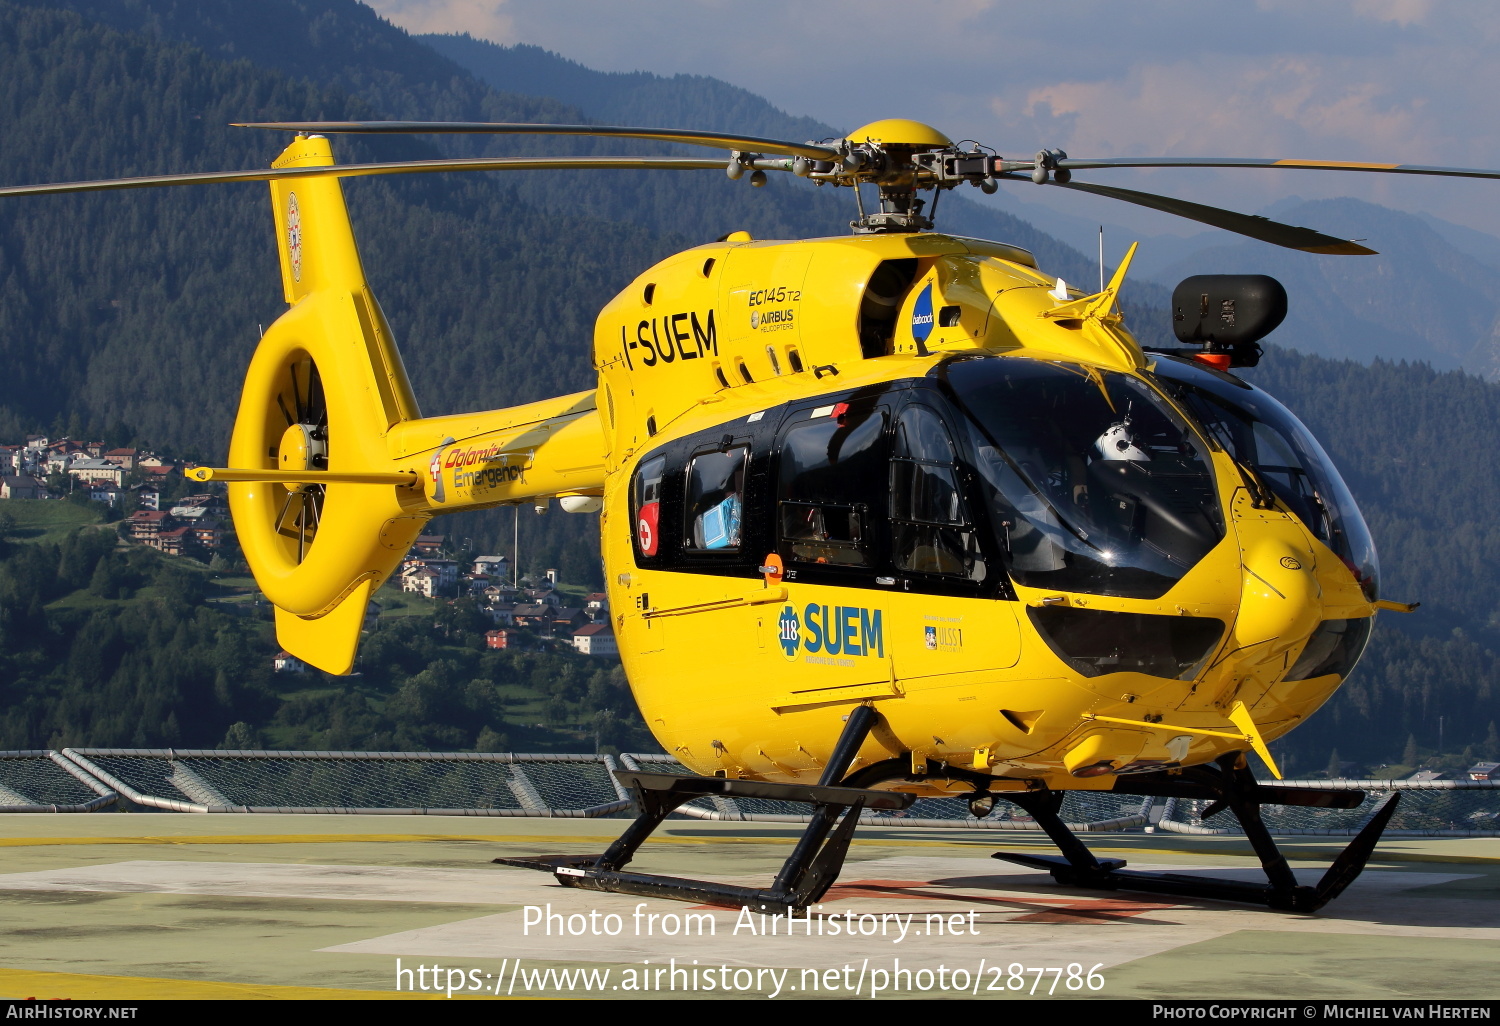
x=303, y=447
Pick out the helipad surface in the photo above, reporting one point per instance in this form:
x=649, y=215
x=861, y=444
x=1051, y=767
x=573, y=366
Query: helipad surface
x=135, y=906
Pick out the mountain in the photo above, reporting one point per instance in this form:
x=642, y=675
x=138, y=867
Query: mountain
x=695, y=101
x=1420, y=299
x=624, y=98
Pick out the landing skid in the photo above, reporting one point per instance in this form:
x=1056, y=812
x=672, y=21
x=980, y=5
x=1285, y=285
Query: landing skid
x=815, y=862
x=804, y=878
x=1231, y=787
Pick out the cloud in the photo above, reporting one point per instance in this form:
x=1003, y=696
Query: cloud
x=485, y=20
x=1376, y=80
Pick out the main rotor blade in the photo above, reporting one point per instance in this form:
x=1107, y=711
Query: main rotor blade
x=1256, y=227
x=1073, y=164
x=400, y=167
x=747, y=143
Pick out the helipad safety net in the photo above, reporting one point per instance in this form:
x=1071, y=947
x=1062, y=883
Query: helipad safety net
x=1429, y=807
x=505, y=784
x=390, y=783
x=44, y=781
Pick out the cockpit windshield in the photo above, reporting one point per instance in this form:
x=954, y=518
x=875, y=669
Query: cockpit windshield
x=1094, y=482
x=1261, y=433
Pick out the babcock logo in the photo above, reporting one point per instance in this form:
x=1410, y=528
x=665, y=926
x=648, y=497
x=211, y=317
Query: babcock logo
x=921, y=315
x=835, y=630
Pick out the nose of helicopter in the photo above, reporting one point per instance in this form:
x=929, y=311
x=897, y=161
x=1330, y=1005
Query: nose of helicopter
x=1280, y=593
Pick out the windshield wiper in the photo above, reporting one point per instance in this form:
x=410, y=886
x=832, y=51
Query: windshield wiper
x=1261, y=496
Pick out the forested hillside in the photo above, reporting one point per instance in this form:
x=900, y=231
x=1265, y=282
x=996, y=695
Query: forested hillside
x=124, y=647
x=134, y=314
x=1417, y=448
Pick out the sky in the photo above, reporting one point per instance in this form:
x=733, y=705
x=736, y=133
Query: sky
x=1406, y=81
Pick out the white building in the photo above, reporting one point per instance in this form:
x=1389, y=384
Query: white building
x=596, y=639
x=494, y=566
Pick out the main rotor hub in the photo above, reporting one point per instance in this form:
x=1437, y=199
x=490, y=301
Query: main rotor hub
x=888, y=151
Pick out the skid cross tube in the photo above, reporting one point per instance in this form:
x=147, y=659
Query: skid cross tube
x=804, y=878
x=1231, y=786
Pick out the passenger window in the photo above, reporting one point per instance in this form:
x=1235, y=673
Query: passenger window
x=930, y=529
x=645, y=506
x=824, y=487
x=715, y=499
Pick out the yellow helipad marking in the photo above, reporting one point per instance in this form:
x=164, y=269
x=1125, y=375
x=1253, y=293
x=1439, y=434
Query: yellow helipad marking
x=24, y=984
x=998, y=840
x=27, y=842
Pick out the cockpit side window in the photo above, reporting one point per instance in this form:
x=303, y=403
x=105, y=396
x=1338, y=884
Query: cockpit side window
x=715, y=500
x=828, y=464
x=931, y=531
x=1092, y=481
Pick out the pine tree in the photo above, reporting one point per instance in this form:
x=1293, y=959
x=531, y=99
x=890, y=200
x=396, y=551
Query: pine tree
x=1410, y=757
x=1335, y=766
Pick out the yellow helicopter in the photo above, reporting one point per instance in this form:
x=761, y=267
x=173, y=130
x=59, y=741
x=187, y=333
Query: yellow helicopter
x=889, y=515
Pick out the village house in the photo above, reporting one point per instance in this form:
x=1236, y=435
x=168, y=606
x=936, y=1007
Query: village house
x=446, y=570
x=501, y=593
x=22, y=486
x=207, y=532
x=97, y=471
x=545, y=596
x=430, y=544
x=501, y=639
x=208, y=503
x=146, y=525
x=532, y=615
x=125, y=459
x=61, y=455
x=420, y=580
x=493, y=566
x=1484, y=771
x=473, y=584
x=173, y=542
x=157, y=476
x=103, y=491
x=566, y=619
x=596, y=639
x=285, y=662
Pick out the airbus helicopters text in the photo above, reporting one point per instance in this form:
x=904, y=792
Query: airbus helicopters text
x=886, y=515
